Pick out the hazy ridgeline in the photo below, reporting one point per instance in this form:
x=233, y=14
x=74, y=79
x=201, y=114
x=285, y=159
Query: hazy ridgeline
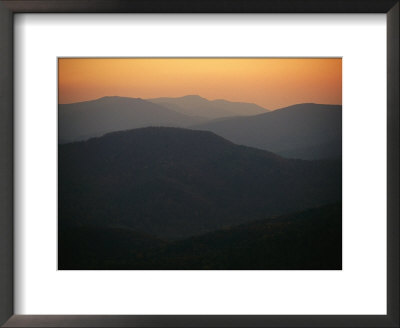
x=187, y=183
x=209, y=109
x=305, y=131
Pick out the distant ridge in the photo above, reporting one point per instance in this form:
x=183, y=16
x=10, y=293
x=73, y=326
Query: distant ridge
x=195, y=105
x=84, y=120
x=305, y=131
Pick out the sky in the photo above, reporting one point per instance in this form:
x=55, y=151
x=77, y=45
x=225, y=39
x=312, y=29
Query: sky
x=268, y=82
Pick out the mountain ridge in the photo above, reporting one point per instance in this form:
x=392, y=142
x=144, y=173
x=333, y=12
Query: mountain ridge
x=304, y=131
x=82, y=120
x=305, y=126
x=210, y=109
x=194, y=180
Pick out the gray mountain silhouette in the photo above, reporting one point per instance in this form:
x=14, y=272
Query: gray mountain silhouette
x=194, y=105
x=305, y=131
x=83, y=120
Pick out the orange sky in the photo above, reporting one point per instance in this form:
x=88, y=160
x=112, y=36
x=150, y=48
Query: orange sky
x=268, y=82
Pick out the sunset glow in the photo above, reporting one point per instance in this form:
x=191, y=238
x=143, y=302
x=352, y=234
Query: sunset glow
x=268, y=82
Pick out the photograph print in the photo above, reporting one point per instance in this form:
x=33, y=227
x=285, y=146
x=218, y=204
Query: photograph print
x=199, y=163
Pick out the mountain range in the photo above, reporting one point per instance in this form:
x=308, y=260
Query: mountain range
x=189, y=183
x=195, y=105
x=304, y=131
x=84, y=120
x=173, y=183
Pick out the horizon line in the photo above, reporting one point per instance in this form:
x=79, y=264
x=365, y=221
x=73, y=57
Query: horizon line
x=196, y=95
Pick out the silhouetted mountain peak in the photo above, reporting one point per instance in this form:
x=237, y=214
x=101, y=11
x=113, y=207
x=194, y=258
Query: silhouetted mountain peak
x=313, y=106
x=307, y=131
x=194, y=97
x=300, y=109
x=196, y=105
x=167, y=139
x=119, y=99
x=108, y=97
x=83, y=120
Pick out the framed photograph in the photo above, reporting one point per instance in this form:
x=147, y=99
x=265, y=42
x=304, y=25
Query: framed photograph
x=206, y=164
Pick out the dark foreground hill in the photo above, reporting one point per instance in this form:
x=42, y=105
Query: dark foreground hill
x=84, y=120
x=308, y=240
x=175, y=183
x=305, y=131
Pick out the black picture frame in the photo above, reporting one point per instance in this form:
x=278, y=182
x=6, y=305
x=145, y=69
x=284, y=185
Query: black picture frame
x=10, y=7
